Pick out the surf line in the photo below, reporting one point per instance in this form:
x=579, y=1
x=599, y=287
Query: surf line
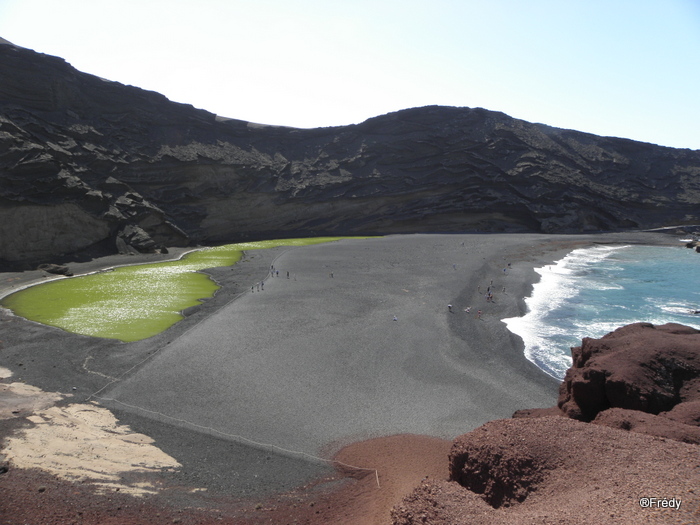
x=244, y=439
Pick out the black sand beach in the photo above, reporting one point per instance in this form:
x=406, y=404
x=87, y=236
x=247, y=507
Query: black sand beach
x=252, y=393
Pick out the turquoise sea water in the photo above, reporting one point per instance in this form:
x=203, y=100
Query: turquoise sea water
x=593, y=291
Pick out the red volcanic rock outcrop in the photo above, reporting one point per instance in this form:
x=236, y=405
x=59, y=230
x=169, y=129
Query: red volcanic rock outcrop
x=638, y=386
x=640, y=377
x=557, y=470
x=641, y=367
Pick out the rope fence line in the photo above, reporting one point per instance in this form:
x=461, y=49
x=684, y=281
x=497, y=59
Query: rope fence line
x=244, y=439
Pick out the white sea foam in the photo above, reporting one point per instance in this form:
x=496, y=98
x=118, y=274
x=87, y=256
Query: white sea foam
x=593, y=291
x=548, y=342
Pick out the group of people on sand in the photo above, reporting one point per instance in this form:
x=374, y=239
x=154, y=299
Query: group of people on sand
x=274, y=272
x=488, y=295
x=467, y=310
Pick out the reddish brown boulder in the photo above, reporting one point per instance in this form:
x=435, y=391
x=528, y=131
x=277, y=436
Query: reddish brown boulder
x=687, y=413
x=637, y=367
x=650, y=424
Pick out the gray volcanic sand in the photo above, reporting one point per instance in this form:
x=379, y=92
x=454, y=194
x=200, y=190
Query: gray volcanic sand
x=315, y=362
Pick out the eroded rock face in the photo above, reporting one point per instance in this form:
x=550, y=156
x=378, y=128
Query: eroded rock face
x=38, y=232
x=129, y=157
x=501, y=471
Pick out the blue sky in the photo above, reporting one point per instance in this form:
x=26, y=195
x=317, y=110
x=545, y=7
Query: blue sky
x=610, y=67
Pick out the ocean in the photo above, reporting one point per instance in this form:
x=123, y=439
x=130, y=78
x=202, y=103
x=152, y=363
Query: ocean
x=593, y=291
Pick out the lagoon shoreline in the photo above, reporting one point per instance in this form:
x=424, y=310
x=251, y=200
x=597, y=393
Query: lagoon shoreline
x=412, y=277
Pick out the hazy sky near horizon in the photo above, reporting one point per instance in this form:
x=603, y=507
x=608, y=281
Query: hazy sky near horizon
x=626, y=68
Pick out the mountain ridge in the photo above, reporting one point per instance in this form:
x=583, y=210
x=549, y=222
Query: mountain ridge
x=89, y=165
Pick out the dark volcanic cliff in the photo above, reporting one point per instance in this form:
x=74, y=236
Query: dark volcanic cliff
x=87, y=163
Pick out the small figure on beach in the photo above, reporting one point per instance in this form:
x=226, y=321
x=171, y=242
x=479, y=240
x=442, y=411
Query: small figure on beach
x=468, y=309
x=395, y=318
x=478, y=314
x=287, y=274
x=449, y=307
x=454, y=266
x=331, y=274
x=277, y=272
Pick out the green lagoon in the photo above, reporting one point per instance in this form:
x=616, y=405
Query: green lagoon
x=131, y=303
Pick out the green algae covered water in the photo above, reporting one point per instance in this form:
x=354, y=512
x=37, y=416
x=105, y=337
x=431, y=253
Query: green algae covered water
x=131, y=303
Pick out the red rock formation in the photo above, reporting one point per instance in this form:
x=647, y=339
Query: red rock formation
x=637, y=367
x=640, y=387
x=640, y=377
x=557, y=470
